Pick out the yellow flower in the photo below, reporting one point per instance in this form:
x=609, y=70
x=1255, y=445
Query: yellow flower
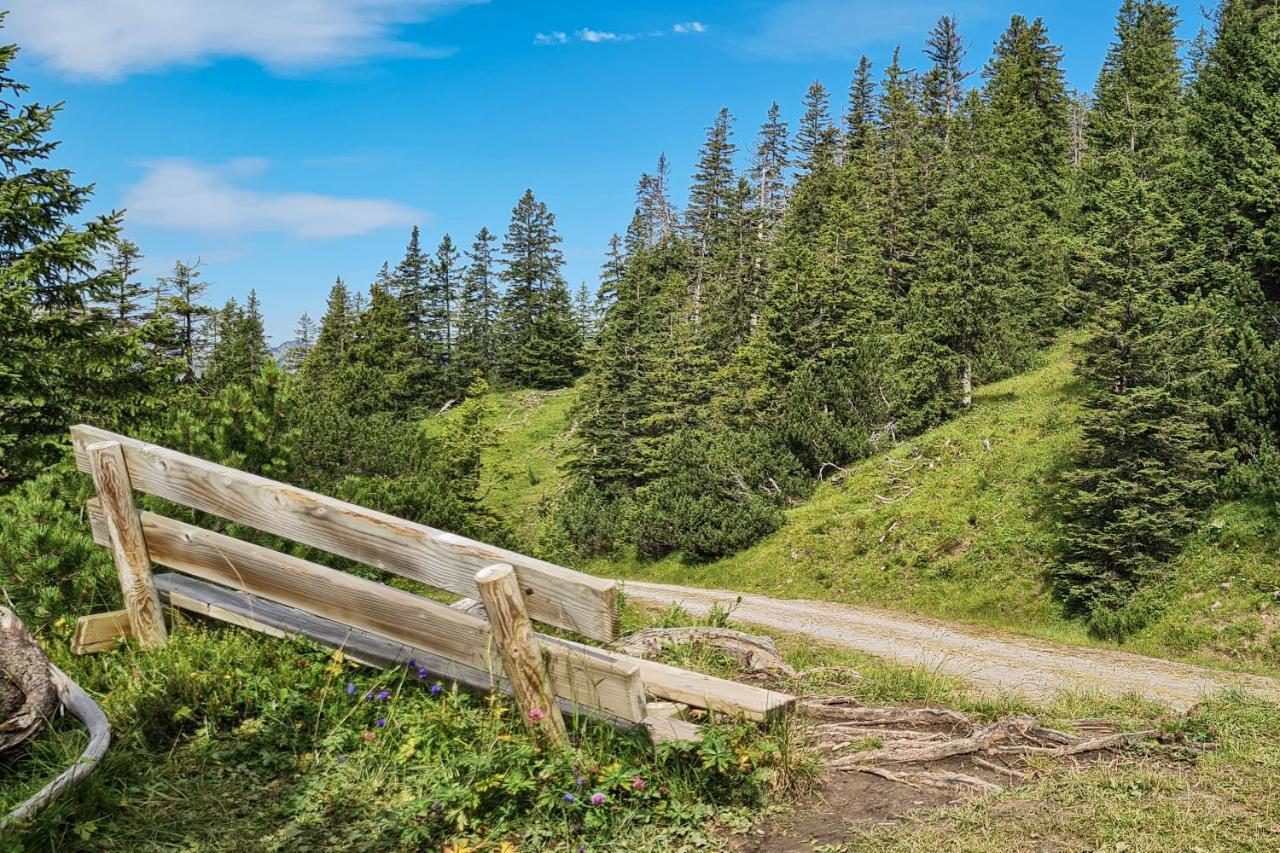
x=507, y=847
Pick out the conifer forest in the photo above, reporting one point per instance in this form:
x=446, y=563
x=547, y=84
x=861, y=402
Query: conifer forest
x=810, y=340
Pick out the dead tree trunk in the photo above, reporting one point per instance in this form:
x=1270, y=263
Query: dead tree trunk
x=28, y=696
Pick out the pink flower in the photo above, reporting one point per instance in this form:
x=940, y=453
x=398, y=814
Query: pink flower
x=638, y=784
x=597, y=799
x=535, y=714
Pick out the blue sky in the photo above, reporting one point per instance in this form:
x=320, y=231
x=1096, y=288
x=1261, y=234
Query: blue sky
x=284, y=144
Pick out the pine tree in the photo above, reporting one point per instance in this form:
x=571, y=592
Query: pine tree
x=816, y=138
x=411, y=284
x=1232, y=177
x=944, y=81
x=769, y=171
x=125, y=295
x=182, y=305
x=1027, y=126
x=584, y=310
x=476, y=354
x=538, y=343
x=240, y=348
x=899, y=192
x=332, y=341
x=1143, y=466
x=653, y=203
x=61, y=359
x=859, y=119
x=304, y=340
x=710, y=195
x=444, y=288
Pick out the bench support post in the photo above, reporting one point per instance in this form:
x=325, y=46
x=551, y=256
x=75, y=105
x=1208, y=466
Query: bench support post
x=521, y=653
x=128, y=546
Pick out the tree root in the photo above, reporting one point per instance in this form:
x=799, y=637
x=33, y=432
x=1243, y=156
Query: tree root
x=903, y=744
x=28, y=695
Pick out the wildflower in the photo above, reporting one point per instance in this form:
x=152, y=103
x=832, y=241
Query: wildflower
x=436, y=689
x=381, y=722
x=383, y=694
x=579, y=781
x=367, y=735
x=368, y=697
x=536, y=714
x=638, y=784
x=597, y=799
x=422, y=672
x=351, y=689
x=413, y=663
x=568, y=798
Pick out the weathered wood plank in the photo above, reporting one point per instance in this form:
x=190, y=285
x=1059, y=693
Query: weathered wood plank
x=105, y=461
x=553, y=594
x=100, y=632
x=364, y=647
x=521, y=652
x=667, y=729
x=714, y=694
x=588, y=678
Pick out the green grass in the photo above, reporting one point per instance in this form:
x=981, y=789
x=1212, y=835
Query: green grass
x=957, y=523
x=229, y=740
x=525, y=464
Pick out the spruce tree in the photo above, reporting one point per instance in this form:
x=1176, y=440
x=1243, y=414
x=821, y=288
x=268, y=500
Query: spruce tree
x=476, y=353
x=538, y=344
x=61, y=358
x=816, y=138
x=943, y=83
x=1143, y=466
x=126, y=296
x=189, y=317
x=444, y=288
x=304, y=340
x=769, y=171
x=1027, y=126
x=240, y=348
x=411, y=284
x=710, y=205
x=859, y=118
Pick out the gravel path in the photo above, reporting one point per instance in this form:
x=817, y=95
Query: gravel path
x=989, y=659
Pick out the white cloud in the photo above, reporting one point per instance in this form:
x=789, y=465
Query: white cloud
x=184, y=195
x=590, y=36
x=108, y=39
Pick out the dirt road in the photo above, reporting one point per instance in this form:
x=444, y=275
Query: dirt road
x=988, y=659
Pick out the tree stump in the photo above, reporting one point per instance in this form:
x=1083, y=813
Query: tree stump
x=28, y=695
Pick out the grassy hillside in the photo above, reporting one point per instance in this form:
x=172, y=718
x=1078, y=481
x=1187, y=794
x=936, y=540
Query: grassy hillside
x=956, y=523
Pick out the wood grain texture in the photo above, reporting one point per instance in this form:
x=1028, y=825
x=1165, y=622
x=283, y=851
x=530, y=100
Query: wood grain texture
x=101, y=632
x=715, y=694
x=553, y=594
x=666, y=729
x=105, y=460
x=247, y=610
x=521, y=652
x=589, y=678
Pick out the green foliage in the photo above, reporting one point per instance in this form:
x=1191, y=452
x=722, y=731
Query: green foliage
x=51, y=568
x=240, y=345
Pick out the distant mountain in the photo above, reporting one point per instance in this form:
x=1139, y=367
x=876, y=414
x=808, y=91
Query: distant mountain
x=279, y=353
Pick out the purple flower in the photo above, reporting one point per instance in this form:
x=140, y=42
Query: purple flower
x=413, y=663
x=422, y=672
x=381, y=722
x=638, y=784
x=568, y=798
x=368, y=697
x=597, y=799
x=579, y=781
x=383, y=694
x=436, y=689
x=351, y=689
